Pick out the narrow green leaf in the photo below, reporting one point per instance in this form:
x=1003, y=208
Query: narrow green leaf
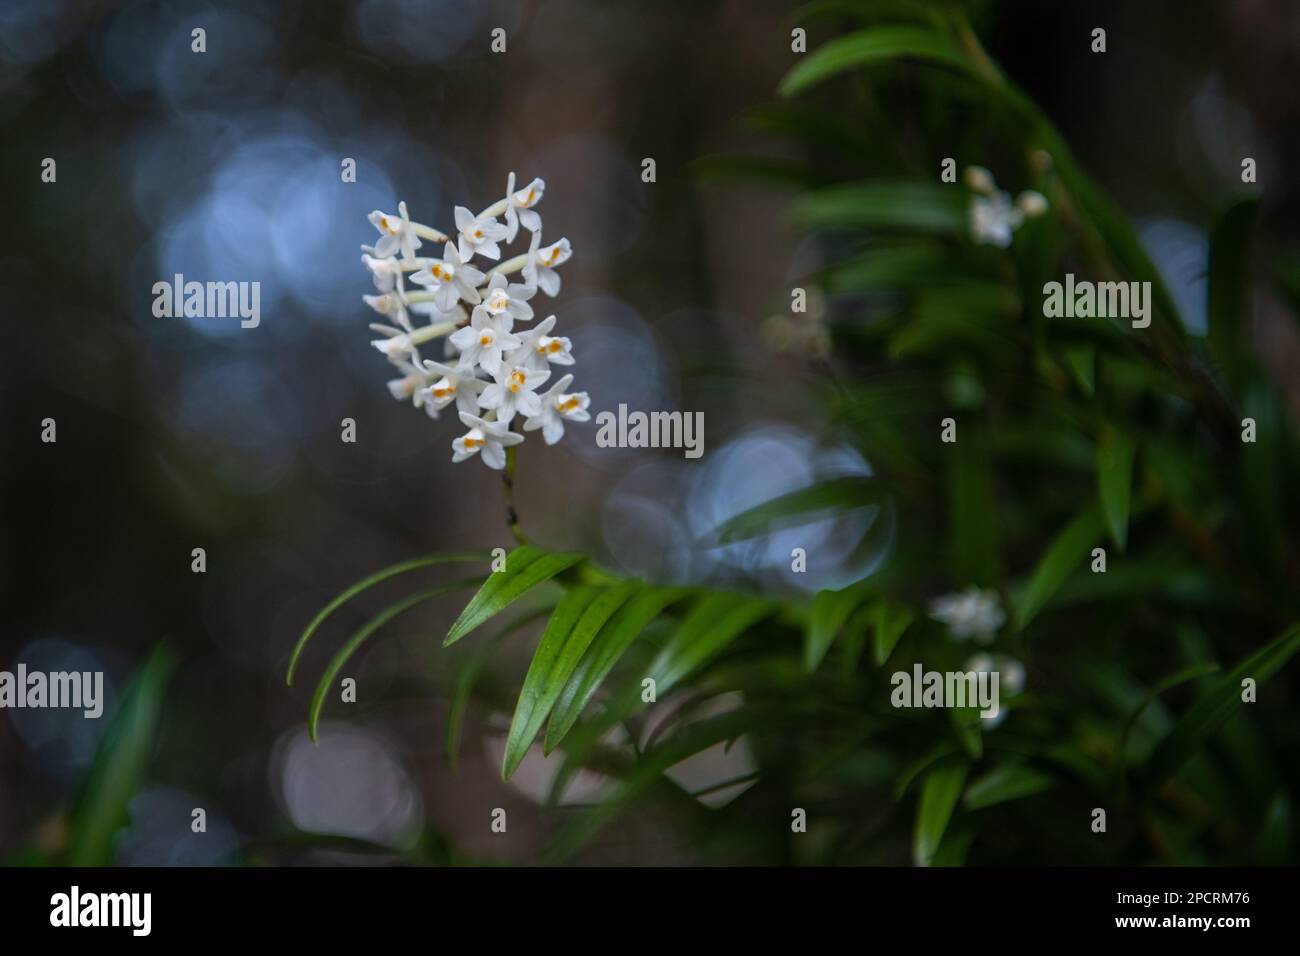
x=120, y=762
x=689, y=740
x=1063, y=557
x=892, y=622
x=867, y=47
x=906, y=204
x=359, y=637
x=712, y=624
x=576, y=622
x=1082, y=362
x=939, y=795
x=365, y=583
x=1115, y=452
x=526, y=567
x=1005, y=783
x=802, y=506
x=830, y=611
x=1214, y=707
x=614, y=638
x=973, y=512
x=468, y=675
x=966, y=723
x=1228, y=293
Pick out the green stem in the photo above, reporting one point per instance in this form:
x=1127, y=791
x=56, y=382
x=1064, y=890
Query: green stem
x=508, y=486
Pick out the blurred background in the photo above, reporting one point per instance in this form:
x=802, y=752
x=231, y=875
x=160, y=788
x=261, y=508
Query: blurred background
x=179, y=433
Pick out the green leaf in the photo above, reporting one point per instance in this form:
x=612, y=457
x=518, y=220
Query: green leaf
x=359, y=637
x=830, y=611
x=526, y=567
x=468, y=676
x=891, y=623
x=1082, y=361
x=1213, y=708
x=364, y=584
x=120, y=763
x=1228, y=293
x=614, y=638
x=966, y=723
x=1115, y=452
x=802, y=506
x=713, y=623
x=576, y=622
x=939, y=795
x=907, y=204
x=868, y=47
x=1004, y=783
x=973, y=512
x=689, y=740
x=1063, y=557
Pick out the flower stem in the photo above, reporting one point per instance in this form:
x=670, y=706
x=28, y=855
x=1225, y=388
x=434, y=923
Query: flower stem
x=508, y=486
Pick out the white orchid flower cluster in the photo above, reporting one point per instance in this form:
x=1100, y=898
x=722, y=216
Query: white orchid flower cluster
x=993, y=217
x=491, y=369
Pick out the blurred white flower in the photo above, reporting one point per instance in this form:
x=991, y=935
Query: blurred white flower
x=1011, y=680
x=385, y=272
x=972, y=613
x=994, y=218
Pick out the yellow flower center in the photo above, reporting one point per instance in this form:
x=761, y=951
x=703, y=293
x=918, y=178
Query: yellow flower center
x=472, y=442
x=517, y=379
x=444, y=392
x=567, y=404
x=485, y=339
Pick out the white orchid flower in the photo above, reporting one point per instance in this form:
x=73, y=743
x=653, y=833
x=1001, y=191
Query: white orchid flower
x=1011, y=680
x=484, y=341
x=478, y=234
x=972, y=613
x=994, y=218
x=391, y=306
x=540, y=268
x=558, y=405
x=508, y=298
x=387, y=273
x=514, y=391
x=490, y=438
x=453, y=385
x=519, y=207
x=452, y=279
x=553, y=350
x=396, y=234
x=525, y=353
